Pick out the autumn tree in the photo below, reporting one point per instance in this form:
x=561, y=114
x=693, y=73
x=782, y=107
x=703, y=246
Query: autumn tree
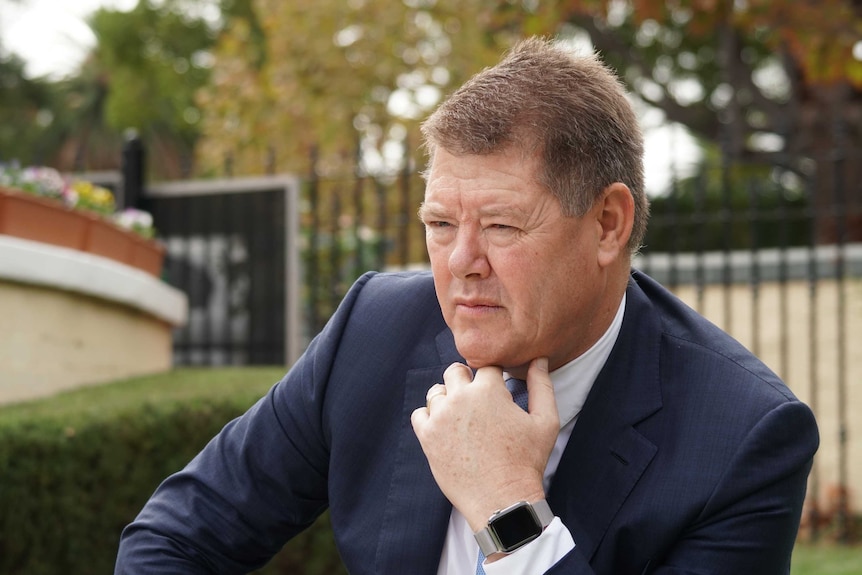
x=769, y=81
x=332, y=74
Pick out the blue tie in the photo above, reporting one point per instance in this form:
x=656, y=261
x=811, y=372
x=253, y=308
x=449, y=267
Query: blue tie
x=518, y=389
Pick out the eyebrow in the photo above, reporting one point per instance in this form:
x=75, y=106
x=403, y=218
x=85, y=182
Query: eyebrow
x=432, y=211
x=425, y=211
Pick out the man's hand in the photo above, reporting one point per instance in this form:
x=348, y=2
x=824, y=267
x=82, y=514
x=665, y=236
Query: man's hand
x=486, y=452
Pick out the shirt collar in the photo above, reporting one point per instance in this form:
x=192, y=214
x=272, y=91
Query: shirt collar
x=574, y=380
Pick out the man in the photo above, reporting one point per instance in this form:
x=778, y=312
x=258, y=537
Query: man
x=652, y=443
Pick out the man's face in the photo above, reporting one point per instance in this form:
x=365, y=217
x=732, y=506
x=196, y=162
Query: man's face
x=516, y=279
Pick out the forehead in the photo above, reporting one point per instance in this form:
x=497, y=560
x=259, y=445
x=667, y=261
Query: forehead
x=505, y=173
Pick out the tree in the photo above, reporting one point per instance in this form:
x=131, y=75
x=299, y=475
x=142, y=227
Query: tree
x=154, y=58
x=23, y=114
x=331, y=74
x=78, y=137
x=142, y=74
x=769, y=81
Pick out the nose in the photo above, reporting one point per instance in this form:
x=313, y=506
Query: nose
x=469, y=256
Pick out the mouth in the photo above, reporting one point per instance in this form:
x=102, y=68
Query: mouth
x=476, y=307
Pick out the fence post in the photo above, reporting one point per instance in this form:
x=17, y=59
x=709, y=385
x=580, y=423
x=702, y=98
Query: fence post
x=132, y=169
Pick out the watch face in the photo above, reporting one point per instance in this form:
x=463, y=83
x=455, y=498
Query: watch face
x=515, y=528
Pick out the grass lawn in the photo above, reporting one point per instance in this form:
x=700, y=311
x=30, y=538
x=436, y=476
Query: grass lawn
x=826, y=560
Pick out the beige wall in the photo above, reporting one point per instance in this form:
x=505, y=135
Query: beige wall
x=805, y=352
x=51, y=340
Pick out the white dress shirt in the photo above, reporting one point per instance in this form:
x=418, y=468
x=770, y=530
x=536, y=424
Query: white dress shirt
x=572, y=383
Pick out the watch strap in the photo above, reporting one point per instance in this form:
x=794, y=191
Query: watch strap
x=543, y=512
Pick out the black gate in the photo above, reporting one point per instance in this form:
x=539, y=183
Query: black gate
x=231, y=247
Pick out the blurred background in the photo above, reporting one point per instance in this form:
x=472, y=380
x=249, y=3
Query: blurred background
x=275, y=146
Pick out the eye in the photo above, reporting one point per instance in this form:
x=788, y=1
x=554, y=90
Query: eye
x=438, y=224
x=501, y=234
x=501, y=228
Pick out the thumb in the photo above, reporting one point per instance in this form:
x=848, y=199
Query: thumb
x=543, y=402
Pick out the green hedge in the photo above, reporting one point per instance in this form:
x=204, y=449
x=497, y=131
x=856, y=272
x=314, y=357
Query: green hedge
x=77, y=467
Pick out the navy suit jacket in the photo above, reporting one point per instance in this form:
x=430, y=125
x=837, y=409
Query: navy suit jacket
x=689, y=456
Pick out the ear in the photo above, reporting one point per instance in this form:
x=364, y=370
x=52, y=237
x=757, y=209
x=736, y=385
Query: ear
x=615, y=217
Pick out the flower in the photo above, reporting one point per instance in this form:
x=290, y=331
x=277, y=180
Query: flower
x=86, y=196
x=136, y=220
x=41, y=181
x=75, y=194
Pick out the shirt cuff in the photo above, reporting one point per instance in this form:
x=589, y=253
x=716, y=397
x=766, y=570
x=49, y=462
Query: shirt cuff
x=538, y=555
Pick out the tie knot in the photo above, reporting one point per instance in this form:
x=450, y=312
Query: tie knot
x=518, y=389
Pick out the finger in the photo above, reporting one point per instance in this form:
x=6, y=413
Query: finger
x=457, y=375
x=418, y=419
x=490, y=373
x=541, y=390
x=434, y=391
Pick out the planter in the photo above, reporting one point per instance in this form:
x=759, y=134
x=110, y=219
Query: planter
x=48, y=221
x=32, y=218
x=109, y=241
x=148, y=255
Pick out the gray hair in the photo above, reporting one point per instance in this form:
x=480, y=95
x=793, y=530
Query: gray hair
x=570, y=108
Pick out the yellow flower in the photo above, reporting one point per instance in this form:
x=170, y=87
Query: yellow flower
x=93, y=198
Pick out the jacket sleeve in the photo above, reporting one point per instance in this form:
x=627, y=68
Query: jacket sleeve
x=258, y=483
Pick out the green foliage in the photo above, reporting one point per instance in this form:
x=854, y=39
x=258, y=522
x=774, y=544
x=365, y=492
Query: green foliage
x=729, y=208
x=23, y=104
x=153, y=54
x=77, y=467
x=143, y=74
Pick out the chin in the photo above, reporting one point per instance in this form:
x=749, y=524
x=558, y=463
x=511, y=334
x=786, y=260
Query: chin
x=480, y=349
x=477, y=358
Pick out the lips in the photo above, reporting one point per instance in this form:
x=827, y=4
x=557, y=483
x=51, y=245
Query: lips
x=475, y=302
x=476, y=306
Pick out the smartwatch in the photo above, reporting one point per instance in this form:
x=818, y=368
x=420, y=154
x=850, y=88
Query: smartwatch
x=513, y=527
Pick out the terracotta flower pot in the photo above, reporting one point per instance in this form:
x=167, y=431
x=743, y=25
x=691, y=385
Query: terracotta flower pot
x=107, y=240
x=30, y=217
x=148, y=255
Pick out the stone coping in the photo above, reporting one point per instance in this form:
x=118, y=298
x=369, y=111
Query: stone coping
x=36, y=263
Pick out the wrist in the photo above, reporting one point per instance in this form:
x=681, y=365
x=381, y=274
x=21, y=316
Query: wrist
x=511, y=528
x=483, y=509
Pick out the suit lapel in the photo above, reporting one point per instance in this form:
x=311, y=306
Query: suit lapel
x=606, y=456
x=416, y=512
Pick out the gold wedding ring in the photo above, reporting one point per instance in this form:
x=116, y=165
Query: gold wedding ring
x=436, y=390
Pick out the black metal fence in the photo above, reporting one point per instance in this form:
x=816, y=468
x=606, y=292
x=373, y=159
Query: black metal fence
x=780, y=267
x=352, y=223
x=231, y=249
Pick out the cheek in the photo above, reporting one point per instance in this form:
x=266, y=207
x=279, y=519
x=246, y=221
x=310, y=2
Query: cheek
x=442, y=281
x=527, y=289
x=442, y=276
x=546, y=290
x=438, y=260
